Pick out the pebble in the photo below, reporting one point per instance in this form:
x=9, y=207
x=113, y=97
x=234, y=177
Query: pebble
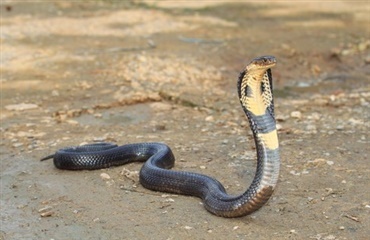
x=47, y=214
x=311, y=127
x=209, y=119
x=293, y=172
x=160, y=106
x=55, y=93
x=329, y=163
x=316, y=163
x=367, y=59
x=72, y=122
x=296, y=114
x=132, y=175
x=98, y=115
x=46, y=211
x=21, y=106
x=188, y=227
x=17, y=145
x=104, y=176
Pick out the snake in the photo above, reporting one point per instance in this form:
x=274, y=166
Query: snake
x=254, y=87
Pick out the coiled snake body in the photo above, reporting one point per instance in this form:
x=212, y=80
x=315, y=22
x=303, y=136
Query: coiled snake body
x=255, y=94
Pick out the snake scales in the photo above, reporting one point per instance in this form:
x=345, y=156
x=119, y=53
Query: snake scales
x=255, y=94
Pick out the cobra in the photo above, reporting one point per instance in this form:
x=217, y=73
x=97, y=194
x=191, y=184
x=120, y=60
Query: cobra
x=256, y=97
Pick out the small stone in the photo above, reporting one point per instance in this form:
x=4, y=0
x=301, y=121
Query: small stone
x=293, y=231
x=21, y=106
x=104, y=176
x=209, y=119
x=340, y=127
x=341, y=228
x=330, y=237
x=235, y=228
x=367, y=59
x=17, y=145
x=47, y=214
x=72, y=122
x=295, y=173
x=45, y=209
x=142, y=58
x=202, y=167
x=132, y=175
x=296, y=114
x=55, y=93
x=311, y=127
x=188, y=227
x=329, y=163
x=362, y=46
x=160, y=106
x=316, y=163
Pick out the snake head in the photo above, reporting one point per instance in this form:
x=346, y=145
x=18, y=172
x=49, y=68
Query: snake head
x=261, y=64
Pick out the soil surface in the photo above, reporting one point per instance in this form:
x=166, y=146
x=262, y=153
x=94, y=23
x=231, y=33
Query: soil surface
x=75, y=72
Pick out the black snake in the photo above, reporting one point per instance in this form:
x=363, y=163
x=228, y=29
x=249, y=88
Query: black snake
x=255, y=94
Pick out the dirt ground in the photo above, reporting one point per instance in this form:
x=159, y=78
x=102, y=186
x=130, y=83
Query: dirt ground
x=75, y=72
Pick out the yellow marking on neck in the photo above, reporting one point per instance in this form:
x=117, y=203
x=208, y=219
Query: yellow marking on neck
x=255, y=103
x=267, y=94
x=270, y=139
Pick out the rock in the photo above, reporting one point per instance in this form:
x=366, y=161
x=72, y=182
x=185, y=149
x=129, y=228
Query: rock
x=209, y=119
x=46, y=211
x=47, y=214
x=329, y=163
x=132, y=175
x=55, y=93
x=21, y=106
x=160, y=106
x=367, y=59
x=104, y=176
x=16, y=145
x=296, y=114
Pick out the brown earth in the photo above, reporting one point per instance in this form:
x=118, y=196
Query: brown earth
x=78, y=72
